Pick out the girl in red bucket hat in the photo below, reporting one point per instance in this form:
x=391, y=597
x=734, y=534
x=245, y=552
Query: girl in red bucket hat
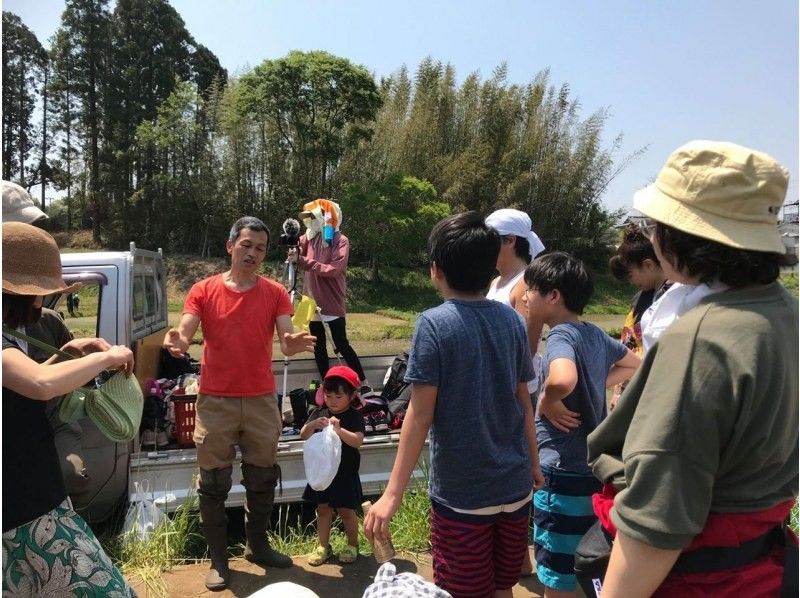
x=344, y=495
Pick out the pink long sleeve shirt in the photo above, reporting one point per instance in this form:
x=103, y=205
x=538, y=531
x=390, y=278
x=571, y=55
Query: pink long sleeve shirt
x=326, y=272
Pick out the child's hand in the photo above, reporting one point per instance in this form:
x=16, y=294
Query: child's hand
x=558, y=414
x=320, y=423
x=334, y=421
x=376, y=523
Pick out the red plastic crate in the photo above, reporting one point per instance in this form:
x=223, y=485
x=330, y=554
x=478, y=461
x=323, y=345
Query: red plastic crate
x=184, y=419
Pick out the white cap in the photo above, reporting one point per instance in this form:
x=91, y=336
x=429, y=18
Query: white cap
x=284, y=589
x=18, y=205
x=515, y=222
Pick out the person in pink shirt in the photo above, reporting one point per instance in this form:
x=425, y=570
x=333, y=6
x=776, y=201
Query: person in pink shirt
x=322, y=254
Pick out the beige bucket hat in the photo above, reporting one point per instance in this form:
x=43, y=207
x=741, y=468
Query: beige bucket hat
x=31, y=262
x=719, y=191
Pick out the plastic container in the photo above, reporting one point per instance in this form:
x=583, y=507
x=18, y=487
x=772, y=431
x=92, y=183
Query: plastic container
x=327, y=228
x=184, y=419
x=383, y=551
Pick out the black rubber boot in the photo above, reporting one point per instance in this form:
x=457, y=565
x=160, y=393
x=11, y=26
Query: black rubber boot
x=259, y=483
x=213, y=488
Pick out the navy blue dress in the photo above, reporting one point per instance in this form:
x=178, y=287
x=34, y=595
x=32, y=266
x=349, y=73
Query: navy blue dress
x=345, y=490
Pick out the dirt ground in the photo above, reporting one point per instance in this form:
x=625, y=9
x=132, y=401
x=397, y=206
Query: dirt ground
x=328, y=581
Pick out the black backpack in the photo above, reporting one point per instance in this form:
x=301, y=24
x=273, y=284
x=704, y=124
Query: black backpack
x=396, y=391
x=397, y=371
x=172, y=367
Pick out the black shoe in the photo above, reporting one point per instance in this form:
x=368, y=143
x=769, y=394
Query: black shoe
x=268, y=556
x=217, y=578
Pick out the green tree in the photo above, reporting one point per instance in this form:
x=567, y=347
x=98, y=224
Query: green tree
x=393, y=220
x=24, y=61
x=178, y=203
x=87, y=23
x=65, y=108
x=488, y=144
x=319, y=105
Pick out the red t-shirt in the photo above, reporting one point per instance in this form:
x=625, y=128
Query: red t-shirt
x=238, y=329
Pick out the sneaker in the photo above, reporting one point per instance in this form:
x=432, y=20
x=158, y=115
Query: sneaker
x=320, y=555
x=368, y=427
x=381, y=422
x=348, y=555
x=148, y=438
x=161, y=439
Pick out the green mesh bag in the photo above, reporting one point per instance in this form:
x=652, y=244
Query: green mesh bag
x=115, y=406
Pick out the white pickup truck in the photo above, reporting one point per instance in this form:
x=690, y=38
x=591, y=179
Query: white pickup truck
x=130, y=288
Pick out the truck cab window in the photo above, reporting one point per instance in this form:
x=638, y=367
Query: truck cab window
x=80, y=310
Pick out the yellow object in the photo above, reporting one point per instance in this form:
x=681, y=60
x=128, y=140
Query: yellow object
x=305, y=311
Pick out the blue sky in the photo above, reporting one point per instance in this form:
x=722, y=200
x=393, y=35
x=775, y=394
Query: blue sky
x=667, y=71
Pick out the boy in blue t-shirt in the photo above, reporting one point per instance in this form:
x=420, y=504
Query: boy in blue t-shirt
x=469, y=365
x=580, y=362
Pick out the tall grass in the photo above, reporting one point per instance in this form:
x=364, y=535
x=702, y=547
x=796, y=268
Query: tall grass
x=177, y=540
x=409, y=528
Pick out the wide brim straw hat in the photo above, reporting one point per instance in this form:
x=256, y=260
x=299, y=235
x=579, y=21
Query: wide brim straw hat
x=31, y=262
x=719, y=191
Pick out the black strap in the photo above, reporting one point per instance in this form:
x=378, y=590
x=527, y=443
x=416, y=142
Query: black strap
x=704, y=560
x=36, y=342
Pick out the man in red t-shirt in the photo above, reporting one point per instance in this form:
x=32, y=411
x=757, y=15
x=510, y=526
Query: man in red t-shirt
x=237, y=405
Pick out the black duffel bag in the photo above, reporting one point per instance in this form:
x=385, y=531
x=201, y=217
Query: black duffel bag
x=591, y=559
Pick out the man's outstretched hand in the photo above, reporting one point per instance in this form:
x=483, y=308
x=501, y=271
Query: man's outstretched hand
x=298, y=341
x=175, y=343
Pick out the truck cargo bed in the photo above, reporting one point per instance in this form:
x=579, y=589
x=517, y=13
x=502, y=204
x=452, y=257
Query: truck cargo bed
x=171, y=474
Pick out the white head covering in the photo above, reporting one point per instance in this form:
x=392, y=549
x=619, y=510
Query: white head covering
x=515, y=222
x=18, y=205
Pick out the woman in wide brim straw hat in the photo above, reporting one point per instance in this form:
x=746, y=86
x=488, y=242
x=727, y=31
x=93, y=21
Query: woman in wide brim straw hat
x=700, y=457
x=47, y=547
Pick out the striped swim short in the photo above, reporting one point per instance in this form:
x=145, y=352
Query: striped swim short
x=562, y=514
x=474, y=555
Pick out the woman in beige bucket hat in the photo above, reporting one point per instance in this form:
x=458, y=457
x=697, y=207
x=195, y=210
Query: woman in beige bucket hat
x=47, y=547
x=700, y=457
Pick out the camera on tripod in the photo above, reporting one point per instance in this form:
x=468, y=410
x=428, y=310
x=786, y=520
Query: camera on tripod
x=291, y=233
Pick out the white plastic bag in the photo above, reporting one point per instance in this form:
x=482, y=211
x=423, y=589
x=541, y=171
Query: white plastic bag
x=322, y=454
x=143, y=516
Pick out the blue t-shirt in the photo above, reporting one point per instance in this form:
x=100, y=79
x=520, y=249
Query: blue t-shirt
x=475, y=353
x=593, y=352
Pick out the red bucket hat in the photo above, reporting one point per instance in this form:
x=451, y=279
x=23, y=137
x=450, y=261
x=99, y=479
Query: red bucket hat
x=345, y=373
